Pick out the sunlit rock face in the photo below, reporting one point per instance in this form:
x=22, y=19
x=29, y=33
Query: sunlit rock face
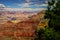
x=3, y=19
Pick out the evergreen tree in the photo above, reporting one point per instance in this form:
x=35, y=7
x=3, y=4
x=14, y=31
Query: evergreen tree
x=53, y=13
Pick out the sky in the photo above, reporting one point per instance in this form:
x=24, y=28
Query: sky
x=23, y=4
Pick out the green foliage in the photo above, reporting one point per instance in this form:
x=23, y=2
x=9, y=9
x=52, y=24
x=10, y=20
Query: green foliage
x=48, y=34
x=53, y=13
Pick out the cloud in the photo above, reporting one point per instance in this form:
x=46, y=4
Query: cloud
x=2, y=5
x=41, y=4
x=23, y=9
x=24, y=5
x=31, y=4
x=44, y=5
x=46, y=1
x=28, y=1
x=8, y=6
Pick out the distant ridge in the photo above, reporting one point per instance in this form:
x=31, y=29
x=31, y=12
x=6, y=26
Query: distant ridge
x=33, y=18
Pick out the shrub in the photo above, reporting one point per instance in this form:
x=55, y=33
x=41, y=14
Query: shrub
x=48, y=34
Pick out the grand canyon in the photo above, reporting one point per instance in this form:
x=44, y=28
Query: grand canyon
x=19, y=25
